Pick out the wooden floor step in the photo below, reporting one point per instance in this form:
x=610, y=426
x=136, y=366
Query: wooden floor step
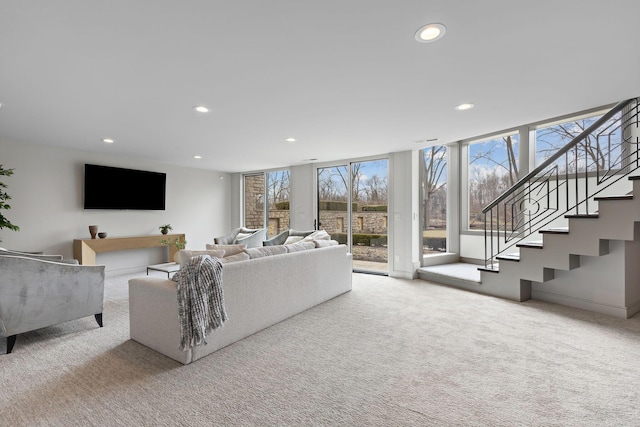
x=491, y=269
x=555, y=230
x=590, y=215
x=535, y=244
x=509, y=257
x=633, y=178
x=616, y=197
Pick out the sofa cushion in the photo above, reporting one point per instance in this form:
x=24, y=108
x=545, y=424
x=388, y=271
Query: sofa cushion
x=241, y=236
x=186, y=254
x=317, y=235
x=300, y=246
x=325, y=243
x=240, y=256
x=228, y=249
x=293, y=239
x=264, y=251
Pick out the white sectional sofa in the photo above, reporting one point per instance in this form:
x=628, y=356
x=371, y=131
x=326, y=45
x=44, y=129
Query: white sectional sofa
x=258, y=293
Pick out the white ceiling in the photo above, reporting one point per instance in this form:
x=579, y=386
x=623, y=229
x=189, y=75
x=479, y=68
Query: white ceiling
x=344, y=77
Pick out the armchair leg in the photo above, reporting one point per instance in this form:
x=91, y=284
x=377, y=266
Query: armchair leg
x=99, y=319
x=11, y=340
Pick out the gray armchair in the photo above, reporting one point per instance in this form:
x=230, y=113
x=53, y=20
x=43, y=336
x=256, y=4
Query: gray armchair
x=279, y=239
x=36, y=255
x=35, y=293
x=252, y=237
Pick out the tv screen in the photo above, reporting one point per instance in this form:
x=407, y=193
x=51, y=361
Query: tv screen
x=107, y=187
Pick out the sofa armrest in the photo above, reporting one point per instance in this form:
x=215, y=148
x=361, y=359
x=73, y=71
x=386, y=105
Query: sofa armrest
x=153, y=316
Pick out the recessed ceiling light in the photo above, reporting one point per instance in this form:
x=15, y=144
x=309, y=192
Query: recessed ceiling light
x=197, y=157
x=108, y=140
x=201, y=109
x=423, y=141
x=465, y=106
x=430, y=33
x=290, y=139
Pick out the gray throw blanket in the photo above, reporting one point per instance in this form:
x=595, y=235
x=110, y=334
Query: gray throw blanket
x=200, y=300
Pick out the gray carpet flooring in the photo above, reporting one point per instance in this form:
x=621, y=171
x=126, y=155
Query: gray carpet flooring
x=391, y=352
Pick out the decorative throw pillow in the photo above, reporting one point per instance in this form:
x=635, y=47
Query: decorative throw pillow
x=264, y=251
x=240, y=256
x=317, y=235
x=186, y=254
x=228, y=249
x=325, y=243
x=292, y=239
x=242, y=236
x=300, y=246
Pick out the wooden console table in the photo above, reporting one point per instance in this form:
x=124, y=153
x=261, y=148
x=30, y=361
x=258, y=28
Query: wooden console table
x=85, y=250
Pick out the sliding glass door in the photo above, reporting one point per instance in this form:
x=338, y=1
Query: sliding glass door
x=353, y=209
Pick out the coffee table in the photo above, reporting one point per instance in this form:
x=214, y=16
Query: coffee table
x=167, y=267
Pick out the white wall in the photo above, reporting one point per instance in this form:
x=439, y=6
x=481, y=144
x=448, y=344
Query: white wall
x=46, y=191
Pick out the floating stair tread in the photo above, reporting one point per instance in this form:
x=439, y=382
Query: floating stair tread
x=615, y=197
x=555, y=230
x=536, y=244
x=491, y=269
x=633, y=178
x=587, y=216
x=509, y=257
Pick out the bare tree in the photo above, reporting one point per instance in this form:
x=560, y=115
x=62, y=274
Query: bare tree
x=510, y=164
x=435, y=161
x=278, y=186
x=375, y=189
x=549, y=140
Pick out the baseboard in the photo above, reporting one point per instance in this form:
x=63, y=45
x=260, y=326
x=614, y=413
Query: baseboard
x=610, y=310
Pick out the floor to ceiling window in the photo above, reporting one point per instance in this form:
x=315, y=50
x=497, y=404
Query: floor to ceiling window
x=493, y=168
x=434, y=200
x=603, y=153
x=353, y=209
x=266, y=201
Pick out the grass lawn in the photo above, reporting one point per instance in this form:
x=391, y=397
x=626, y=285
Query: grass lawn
x=434, y=233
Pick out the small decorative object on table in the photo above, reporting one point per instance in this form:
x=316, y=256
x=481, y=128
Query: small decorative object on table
x=164, y=229
x=102, y=234
x=93, y=229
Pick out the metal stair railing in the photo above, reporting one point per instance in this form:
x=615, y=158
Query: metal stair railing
x=601, y=155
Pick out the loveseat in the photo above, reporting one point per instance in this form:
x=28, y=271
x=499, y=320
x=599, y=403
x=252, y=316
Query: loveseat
x=258, y=292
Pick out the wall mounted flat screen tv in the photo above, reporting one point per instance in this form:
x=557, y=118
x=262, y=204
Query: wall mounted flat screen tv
x=106, y=187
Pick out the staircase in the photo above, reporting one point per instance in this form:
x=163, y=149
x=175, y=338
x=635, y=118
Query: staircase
x=593, y=263
x=557, y=236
